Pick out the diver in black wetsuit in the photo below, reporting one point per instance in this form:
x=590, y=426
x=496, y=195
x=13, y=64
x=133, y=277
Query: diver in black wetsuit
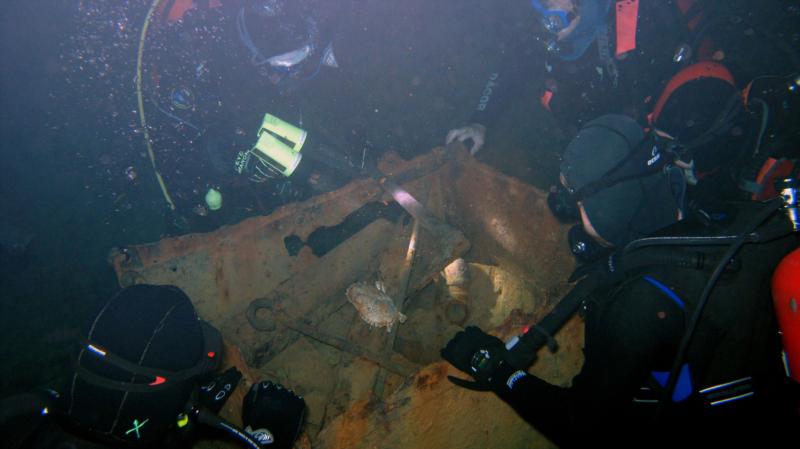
x=637, y=49
x=729, y=387
x=212, y=69
x=144, y=377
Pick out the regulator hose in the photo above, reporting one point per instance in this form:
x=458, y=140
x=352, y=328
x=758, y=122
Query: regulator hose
x=212, y=420
x=686, y=340
x=140, y=100
x=602, y=275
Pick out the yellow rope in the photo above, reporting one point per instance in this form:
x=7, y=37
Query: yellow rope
x=140, y=98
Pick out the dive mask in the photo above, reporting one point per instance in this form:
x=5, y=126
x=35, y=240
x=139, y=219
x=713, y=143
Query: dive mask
x=553, y=20
x=582, y=245
x=563, y=205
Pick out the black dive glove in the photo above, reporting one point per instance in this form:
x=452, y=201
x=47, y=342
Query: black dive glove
x=480, y=355
x=273, y=414
x=215, y=393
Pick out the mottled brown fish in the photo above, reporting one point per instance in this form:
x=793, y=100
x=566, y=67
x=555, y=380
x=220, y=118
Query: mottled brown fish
x=374, y=306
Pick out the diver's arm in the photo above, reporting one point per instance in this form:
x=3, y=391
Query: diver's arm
x=496, y=92
x=622, y=340
x=499, y=89
x=544, y=406
x=482, y=115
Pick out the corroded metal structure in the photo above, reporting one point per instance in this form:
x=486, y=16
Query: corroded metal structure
x=280, y=301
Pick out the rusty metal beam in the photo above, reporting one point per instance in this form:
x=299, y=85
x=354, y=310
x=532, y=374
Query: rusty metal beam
x=404, y=278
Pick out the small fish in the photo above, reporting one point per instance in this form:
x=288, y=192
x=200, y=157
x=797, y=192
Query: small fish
x=374, y=306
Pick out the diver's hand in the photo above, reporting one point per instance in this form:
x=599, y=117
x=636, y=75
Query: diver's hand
x=215, y=394
x=474, y=131
x=476, y=353
x=273, y=414
x=484, y=357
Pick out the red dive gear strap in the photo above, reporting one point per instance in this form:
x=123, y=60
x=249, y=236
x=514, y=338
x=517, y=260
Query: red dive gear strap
x=697, y=71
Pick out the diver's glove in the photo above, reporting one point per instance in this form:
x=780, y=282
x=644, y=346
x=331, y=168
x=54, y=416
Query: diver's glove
x=480, y=355
x=273, y=414
x=214, y=394
x=474, y=131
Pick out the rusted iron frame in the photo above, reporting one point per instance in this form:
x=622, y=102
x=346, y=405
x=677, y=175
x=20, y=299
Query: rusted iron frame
x=405, y=277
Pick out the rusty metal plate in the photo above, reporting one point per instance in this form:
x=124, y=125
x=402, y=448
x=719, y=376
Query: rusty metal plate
x=301, y=301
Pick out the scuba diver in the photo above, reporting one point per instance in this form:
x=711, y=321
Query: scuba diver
x=639, y=45
x=619, y=183
x=210, y=68
x=681, y=341
x=590, y=84
x=687, y=152
x=622, y=181
x=145, y=376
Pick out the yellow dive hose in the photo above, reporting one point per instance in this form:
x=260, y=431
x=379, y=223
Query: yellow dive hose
x=140, y=99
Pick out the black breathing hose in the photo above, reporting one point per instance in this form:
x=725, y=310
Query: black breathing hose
x=686, y=340
x=523, y=354
x=680, y=241
x=664, y=256
x=211, y=419
x=769, y=233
